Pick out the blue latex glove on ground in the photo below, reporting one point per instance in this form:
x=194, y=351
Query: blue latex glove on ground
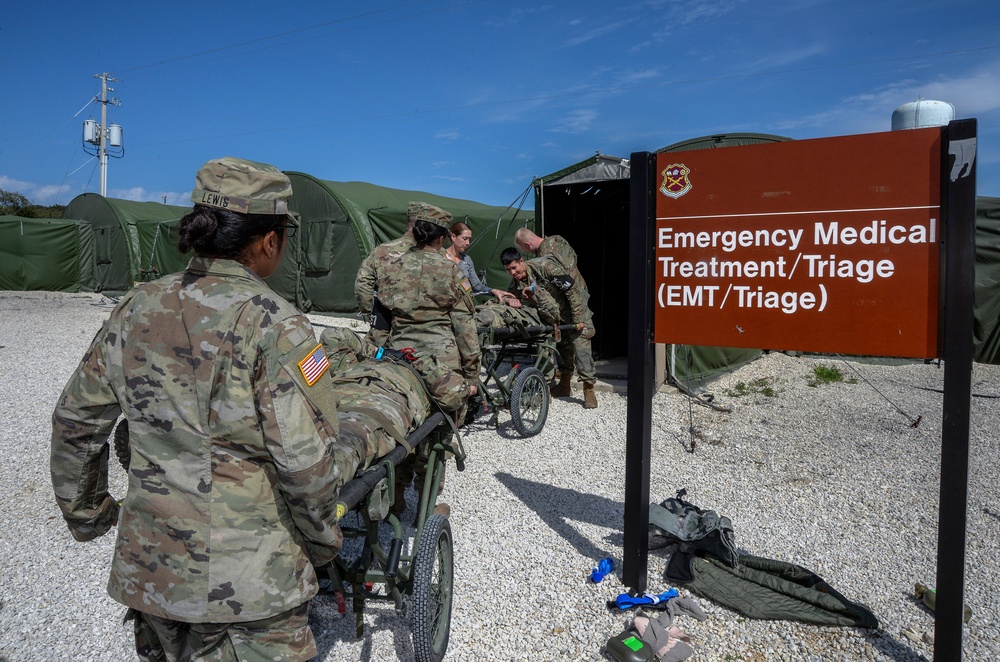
x=604, y=568
x=626, y=601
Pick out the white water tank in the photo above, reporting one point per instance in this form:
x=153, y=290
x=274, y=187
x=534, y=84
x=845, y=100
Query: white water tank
x=922, y=113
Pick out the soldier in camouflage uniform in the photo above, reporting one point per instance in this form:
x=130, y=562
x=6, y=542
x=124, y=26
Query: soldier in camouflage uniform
x=366, y=282
x=540, y=279
x=235, y=460
x=430, y=301
x=557, y=248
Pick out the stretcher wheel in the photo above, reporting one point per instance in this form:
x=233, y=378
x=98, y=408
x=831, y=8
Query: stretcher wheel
x=433, y=578
x=529, y=401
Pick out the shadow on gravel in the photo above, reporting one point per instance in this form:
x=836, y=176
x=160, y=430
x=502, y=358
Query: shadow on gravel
x=557, y=506
x=892, y=648
x=330, y=629
x=505, y=429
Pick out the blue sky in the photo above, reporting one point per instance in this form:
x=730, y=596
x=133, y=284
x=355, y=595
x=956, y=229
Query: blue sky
x=467, y=98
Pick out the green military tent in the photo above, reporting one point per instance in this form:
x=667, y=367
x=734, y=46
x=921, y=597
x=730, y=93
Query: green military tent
x=343, y=221
x=588, y=204
x=52, y=254
x=118, y=256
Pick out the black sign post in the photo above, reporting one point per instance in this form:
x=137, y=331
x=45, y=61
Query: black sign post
x=958, y=174
x=642, y=224
x=956, y=319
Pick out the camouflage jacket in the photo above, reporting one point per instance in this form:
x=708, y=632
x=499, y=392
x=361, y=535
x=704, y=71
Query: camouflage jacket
x=571, y=304
x=556, y=247
x=235, y=465
x=366, y=282
x=432, y=309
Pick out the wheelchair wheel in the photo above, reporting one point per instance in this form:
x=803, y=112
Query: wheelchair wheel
x=433, y=578
x=529, y=401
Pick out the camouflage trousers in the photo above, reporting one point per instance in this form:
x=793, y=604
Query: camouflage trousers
x=283, y=637
x=574, y=351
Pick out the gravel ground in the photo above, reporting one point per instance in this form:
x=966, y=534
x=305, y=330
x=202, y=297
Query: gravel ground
x=832, y=477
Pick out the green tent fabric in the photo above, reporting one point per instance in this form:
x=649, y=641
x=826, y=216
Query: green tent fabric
x=986, y=328
x=343, y=221
x=117, y=255
x=46, y=254
x=588, y=204
x=158, y=254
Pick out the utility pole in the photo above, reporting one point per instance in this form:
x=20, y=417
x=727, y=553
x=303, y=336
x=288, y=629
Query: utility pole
x=103, y=135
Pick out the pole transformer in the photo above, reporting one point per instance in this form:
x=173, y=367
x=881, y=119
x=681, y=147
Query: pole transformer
x=103, y=135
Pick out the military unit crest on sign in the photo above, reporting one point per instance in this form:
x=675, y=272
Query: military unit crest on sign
x=675, y=180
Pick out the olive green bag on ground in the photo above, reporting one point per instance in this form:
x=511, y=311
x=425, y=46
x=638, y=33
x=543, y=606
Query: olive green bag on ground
x=703, y=558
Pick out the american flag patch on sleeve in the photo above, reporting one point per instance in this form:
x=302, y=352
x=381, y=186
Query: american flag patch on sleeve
x=314, y=365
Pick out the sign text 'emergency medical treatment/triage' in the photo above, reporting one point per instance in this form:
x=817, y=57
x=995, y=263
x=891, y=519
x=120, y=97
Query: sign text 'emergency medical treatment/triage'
x=826, y=245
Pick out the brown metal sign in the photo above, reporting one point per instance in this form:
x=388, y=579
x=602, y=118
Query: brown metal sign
x=826, y=245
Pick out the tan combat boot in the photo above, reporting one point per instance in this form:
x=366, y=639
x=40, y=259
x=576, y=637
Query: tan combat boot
x=565, y=386
x=589, y=396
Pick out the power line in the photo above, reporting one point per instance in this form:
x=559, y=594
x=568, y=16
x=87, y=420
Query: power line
x=288, y=33
x=564, y=95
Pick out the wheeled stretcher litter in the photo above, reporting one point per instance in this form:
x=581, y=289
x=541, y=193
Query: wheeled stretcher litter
x=387, y=573
x=518, y=361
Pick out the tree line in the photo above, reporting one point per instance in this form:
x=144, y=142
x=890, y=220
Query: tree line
x=15, y=204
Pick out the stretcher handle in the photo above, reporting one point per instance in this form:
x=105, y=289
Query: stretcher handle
x=355, y=490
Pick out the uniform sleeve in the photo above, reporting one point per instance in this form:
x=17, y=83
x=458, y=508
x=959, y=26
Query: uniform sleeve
x=81, y=424
x=547, y=306
x=298, y=413
x=463, y=325
x=470, y=270
x=364, y=283
x=574, y=297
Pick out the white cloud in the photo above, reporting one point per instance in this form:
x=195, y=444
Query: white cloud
x=139, y=194
x=39, y=194
x=638, y=76
x=694, y=11
x=577, y=121
x=516, y=15
x=14, y=185
x=595, y=33
x=781, y=60
x=973, y=94
x=448, y=135
x=51, y=193
x=683, y=14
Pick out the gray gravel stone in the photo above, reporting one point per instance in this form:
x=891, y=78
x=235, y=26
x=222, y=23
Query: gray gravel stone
x=832, y=477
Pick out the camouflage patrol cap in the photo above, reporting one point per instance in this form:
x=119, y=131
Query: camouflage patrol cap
x=242, y=186
x=422, y=211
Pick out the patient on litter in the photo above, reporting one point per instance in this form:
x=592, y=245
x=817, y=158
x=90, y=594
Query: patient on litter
x=380, y=402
